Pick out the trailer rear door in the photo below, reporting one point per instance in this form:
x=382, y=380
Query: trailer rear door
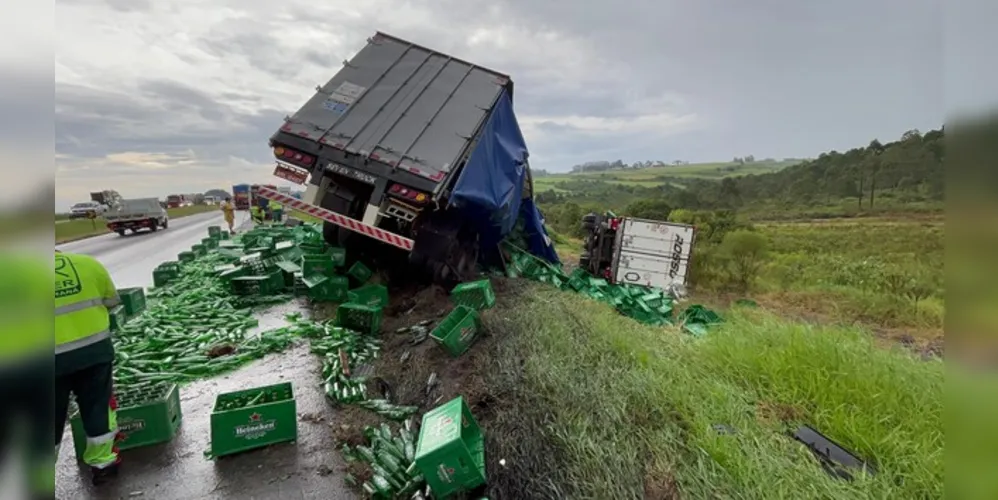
x=652, y=253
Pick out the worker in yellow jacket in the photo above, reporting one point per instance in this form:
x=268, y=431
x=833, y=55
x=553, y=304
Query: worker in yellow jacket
x=26, y=377
x=256, y=213
x=84, y=355
x=276, y=211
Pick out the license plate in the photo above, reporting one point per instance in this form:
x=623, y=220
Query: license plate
x=351, y=173
x=294, y=175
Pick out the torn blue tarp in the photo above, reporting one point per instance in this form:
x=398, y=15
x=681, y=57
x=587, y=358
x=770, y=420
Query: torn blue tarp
x=490, y=189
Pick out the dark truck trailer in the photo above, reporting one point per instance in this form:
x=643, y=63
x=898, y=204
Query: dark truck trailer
x=420, y=144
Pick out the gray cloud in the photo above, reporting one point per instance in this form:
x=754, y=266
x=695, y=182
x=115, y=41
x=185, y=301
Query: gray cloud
x=769, y=78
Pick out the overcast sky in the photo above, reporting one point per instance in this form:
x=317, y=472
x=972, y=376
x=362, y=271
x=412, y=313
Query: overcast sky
x=181, y=96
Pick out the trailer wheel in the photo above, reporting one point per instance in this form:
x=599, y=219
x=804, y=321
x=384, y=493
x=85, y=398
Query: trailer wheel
x=153, y=227
x=121, y=232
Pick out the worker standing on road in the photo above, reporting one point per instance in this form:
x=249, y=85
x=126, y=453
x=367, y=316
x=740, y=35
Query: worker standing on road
x=83, y=357
x=229, y=212
x=256, y=213
x=275, y=211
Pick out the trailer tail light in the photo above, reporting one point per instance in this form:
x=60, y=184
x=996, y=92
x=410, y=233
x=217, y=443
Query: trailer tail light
x=292, y=156
x=408, y=193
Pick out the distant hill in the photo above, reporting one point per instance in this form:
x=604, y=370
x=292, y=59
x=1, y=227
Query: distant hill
x=218, y=193
x=660, y=174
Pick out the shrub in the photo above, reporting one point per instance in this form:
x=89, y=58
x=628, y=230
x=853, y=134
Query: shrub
x=744, y=253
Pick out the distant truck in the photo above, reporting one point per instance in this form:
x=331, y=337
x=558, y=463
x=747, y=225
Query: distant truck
x=140, y=213
x=626, y=250
x=416, y=149
x=255, y=192
x=178, y=200
x=241, y=196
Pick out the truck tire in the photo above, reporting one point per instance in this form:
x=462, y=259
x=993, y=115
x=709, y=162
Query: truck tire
x=121, y=232
x=166, y=223
x=153, y=227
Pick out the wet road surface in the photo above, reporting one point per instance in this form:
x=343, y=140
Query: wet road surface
x=130, y=259
x=310, y=468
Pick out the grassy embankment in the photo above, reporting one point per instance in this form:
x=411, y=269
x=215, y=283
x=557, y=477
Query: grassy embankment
x=593, y=405
x=84, y=228
x=655, y=176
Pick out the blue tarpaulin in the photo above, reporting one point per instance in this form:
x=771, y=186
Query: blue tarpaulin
x=490, y=189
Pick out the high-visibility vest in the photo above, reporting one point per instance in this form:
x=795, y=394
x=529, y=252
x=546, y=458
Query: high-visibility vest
x=275, y=206
x=25, y=324
x=83, y=294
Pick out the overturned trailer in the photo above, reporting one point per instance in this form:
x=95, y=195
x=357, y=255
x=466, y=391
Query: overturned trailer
x=416, y=149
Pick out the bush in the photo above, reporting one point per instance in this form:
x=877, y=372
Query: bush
x=744, y=253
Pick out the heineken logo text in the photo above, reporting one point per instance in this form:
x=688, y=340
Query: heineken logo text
x=131, y=425
x=255, y=430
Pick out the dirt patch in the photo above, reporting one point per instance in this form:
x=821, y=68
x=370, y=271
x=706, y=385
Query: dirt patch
x=773, y=412
x=660, y=486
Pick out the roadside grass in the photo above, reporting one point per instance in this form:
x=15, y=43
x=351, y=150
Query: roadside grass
x=868, y=271
x=657, y=176
x=85, y=228
x=629, y=411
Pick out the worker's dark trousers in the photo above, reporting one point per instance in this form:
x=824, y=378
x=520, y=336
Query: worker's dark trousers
x=92, y=387
x=25, y=392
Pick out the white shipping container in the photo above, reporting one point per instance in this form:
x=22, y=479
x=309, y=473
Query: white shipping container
x=652, y=253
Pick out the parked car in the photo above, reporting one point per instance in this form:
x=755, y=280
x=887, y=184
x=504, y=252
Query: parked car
x=86, y=210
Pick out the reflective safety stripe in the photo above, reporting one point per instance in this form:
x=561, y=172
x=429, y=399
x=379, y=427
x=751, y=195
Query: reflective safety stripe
x=85, y=341
x=78, y=306
x=103, y=438
x=109, y=303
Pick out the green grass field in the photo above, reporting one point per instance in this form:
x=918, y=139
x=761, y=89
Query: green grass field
x=600, y=406
x=656, y=176
x=84, y=228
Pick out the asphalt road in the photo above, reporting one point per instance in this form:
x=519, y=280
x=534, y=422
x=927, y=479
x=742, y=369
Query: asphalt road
x=310, y=468
x=131, y=259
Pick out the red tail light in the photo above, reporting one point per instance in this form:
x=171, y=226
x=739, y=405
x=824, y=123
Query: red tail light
x=292, y=156
x=408, y=193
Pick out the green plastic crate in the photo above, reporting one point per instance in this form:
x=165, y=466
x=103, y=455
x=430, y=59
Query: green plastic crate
x=118, y=317
x=165, y=273
x=476, y=294
x=233, y=272
x=369, y=295
x=327, y=289
x=146, y=416
x=209, y=243
x=199, y=249
x=268, y=284
x=360, y=272
x=187, y=256
x=223, y=236
x=317, y=265
x=450, y=452
x=359, y=318
x=134, y=300
x=458, y=330
x=253, y=426
x=214, y=231
x=337, y=255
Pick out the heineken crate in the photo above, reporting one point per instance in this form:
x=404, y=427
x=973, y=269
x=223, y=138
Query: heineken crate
x=233, y=272
x=360, y=272
x=288, y=270
x=268, y=284
x=317, y=265
x=118, y=317
x=313, y=248
x=337, y=255
x=209, y=243
x=369, y=295
x=253, y=418
x=146, y=416
x=223, y=236
x=327, y=289
x=450, y=452
x=134, y=300
x=458, y=330
x=187, y=256
x=199, y=249
x=165, y=273
x=476, y=294
x=214, y=231
x=359, y=317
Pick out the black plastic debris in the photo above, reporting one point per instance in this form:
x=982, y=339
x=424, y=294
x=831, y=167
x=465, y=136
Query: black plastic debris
x=836, y=460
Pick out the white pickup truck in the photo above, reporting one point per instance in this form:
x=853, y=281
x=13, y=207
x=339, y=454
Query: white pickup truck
x=140, y=213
